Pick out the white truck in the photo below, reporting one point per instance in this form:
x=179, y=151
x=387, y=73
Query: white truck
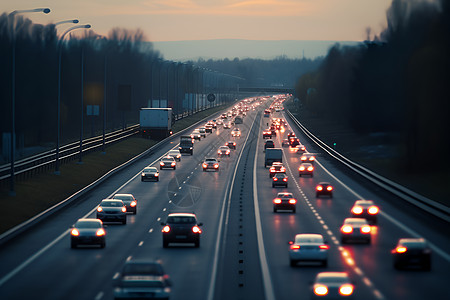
x=156, y=122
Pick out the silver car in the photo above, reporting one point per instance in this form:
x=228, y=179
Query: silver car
x=175, y=154
x=332, y=285
x=308, y=247
x=112, y=210
x=129, y=201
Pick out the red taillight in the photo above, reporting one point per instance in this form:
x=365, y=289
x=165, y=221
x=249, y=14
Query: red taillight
x=346, y=290
x=196, y=229
x=320, y=290
x=373, y=210
x=173, y=164
x=75, y=232
x=277, y=200
x=100, y=232
x=275, y=179
x=311, y=168
x=365, y=229
x=161, y=164
x=216, y=166
x=272, y=169
x=312, y=158
x=285, y=179
x=166, y=228
x=283, y=169
x=357, y=210
x=124, y=209
x=292, y=201
x=302, y=168
x=133, y=203
x=347, y=229
x=329, y=188
x=319, y=188
x=295, y=247
x=99, y=209
x=324, y=247
x=204, y=166
x=400, y=249
x=303, y=158
x=156, y=174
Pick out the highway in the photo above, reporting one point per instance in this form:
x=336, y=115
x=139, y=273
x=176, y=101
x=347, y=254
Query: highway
x=243, y=252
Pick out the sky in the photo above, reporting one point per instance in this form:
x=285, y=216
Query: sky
x=180, y=20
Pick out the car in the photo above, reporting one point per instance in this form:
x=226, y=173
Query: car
x=168, y=162
x=196, y=135
x=226, y=125
x=308, y=157
x=223, y=116
x=300, y=149
x=236, y=132
x=412, y=252
x=202, y=131
x=365, y=209
x=276, y=167
x=269, y=144
x=142, y=279
x=175, y=153
x=332, y=285
x=294, y=142
x=129, y=201
x=150, y=173
x=231, y=145
x=285, y=143
x=284, y=201
x=88, y=232
x=112, y=210
x=223, y=150
x=209, y=128
x=273, y=130
x=267, y=134
x=181, y=228
x=324, y=189
x=219, y=122
x=290, y=134
x=355, y=229
x=306, y=169
x=210, y=164
x=280, y=179
x=309, y=247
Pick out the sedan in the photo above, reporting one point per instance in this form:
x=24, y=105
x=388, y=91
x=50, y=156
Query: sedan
x=267, y=134
x=365, y=209
x=306, y=169
x=285, y=143
x=355, y=229
x=175, y=153
x=332, y=285
x=150, y=173
x=412, y=252
x=223, y=150
x=324, y=189
x=284, y=201
x=87, y=232
x=142, y=279
x=236, y=132
x=308, y=247
x=307, y=158
x=181, y=228
x=112, y=210
x=269, y=144
x=129, y=201
x=168, y=162
x=226, y=125
x=276, y=167
x=210, y=164
x=196, y=135
x=280, y=179
x=294, y=141
x=300, y=149
x=231, y=145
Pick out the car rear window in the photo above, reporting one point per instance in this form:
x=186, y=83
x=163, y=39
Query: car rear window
x=143, y=269
x=181, y=220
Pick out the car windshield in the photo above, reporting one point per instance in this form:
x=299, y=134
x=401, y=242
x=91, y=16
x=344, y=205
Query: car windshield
x=124, y=197
x=150, y=170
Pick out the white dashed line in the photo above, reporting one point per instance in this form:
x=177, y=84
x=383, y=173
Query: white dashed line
x=151, y=230
x=129, y=258
x=99, y=296
x=141, y=243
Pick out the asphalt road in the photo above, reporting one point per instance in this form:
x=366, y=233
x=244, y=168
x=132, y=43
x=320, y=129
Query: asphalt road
x=243, y=252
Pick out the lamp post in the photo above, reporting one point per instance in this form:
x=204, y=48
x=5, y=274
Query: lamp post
x=74, y=21
x=12, y=191
x=57, y=172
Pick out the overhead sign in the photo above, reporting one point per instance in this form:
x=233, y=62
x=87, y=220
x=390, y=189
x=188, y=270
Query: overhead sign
x=211, y=97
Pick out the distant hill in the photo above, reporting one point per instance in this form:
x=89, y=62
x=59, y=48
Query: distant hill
x=232, y=48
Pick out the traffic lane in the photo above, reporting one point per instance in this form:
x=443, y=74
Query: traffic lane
x=374, y=259
x=281, y=227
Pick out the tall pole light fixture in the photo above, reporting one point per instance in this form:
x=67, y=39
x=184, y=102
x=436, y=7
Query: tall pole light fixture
x=58, y=125
x=12, y=15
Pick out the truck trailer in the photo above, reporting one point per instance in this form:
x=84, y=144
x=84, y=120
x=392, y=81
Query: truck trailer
x=156, y=122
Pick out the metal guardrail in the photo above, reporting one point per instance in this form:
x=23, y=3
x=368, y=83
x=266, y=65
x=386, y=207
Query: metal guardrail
x=43, y=161
x=437, y=209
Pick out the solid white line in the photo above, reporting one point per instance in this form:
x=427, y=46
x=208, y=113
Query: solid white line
x=212, y=285
x=267, y=283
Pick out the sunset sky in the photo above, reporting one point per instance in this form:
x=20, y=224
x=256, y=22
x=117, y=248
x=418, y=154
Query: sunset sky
x=175, y=20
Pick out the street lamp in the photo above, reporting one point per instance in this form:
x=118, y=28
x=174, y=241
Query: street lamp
x=57, y=172
x=13, y=86
x=74, y=21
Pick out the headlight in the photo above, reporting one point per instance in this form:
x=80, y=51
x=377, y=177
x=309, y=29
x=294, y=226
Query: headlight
x=75, y=232
x=99, y=209
x=166, y=229
x=100, y=232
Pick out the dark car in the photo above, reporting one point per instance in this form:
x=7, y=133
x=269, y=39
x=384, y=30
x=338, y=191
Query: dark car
x=412, y=252
x=269, y=144
x=223, y=150
x=324, y=189
x=280, y=179
x=181, y=228
x=285, y=143
x=284, y=201
x=87, y=232
x=290, y=134
x=150, y=173
x=231, y=145
x=306, y=169
x=294, y=141
x=167, y=162
x=112, y=210
x=142, y=279
x=267, y=134
x=365, y=209
x=129, y=201
x=210, y=164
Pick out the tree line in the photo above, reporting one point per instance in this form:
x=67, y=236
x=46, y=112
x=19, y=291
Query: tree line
x=395, y=82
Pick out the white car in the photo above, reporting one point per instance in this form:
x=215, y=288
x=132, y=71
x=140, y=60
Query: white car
x=202, y=131
x=308, y=247
x=332, y=285
x=175, y=154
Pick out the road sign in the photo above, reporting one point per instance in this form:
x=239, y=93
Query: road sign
x=211, y=97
